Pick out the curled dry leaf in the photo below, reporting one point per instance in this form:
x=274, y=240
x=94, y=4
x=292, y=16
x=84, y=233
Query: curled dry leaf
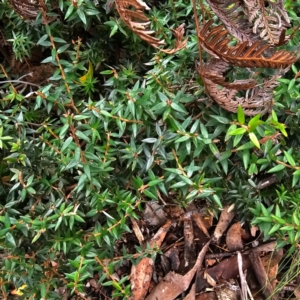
x=210, y=280
x=137, y=231
x=215, y=69
x=225, y=219
x=200, y=223
x=131, y=12
x=234, y=237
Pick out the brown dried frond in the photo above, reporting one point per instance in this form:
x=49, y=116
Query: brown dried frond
x=231, y=13
x=258, y=100
x=131, y=12
x=214, y=70
x=259, y=54
x=27, y=9
x=270, y=22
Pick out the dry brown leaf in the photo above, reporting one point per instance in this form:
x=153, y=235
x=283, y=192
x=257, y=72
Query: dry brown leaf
x=297, y=292
x=210, y=262
x=200, y=223
x=192, y=294
x=154, y=215
x=173, y=255
x=141, y=274
x=140, y=278
x=234, y=237
x=158, y=238
x=174, y=284
x=211, y=281
x=207, y=296
x=225, y=270
x=254, y=230
x=270, y=263
x=262, y=276
x=225, y=219
x=137, y=231
x=264, y=248
x=189, y=249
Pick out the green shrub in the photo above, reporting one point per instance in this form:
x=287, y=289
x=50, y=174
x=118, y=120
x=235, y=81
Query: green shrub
x=117, y=124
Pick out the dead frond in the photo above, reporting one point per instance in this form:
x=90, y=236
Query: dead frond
x=231, y=13
x=269, y=22
x=259, y=54
x=27, y=9
x=132, y=14
x=214, y=70
x=258, y=100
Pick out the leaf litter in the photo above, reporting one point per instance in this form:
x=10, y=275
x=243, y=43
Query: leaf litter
x=195, y=257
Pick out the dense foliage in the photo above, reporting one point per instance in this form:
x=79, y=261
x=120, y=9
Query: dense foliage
x=104, y=122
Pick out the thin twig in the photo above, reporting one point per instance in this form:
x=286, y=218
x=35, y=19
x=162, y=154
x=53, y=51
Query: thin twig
x=20, y=81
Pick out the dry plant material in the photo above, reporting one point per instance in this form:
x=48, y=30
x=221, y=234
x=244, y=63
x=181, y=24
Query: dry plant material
x=200, y=223
x=207, y=296
x=234, y=237
x=141, y=274
x=192, y=294
x=210, y=280
x=140, y=278
x=231, y=13
x=165, y=264
x=225, y=270
x=224, y=221
x=154, y=215
x=227, y=294
x=242, y=277
x=257, y=100
x=25, y=8
x=189, y=249
x=174, y=284
x=158, y=238
x=137, y=231
x=173, y=255
x=263, y=248
x=132, y=14
x=270, y=263
x=269, y=22
x=262, y=276
x=258, y=26
x=267, y=182
x=246, y=55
